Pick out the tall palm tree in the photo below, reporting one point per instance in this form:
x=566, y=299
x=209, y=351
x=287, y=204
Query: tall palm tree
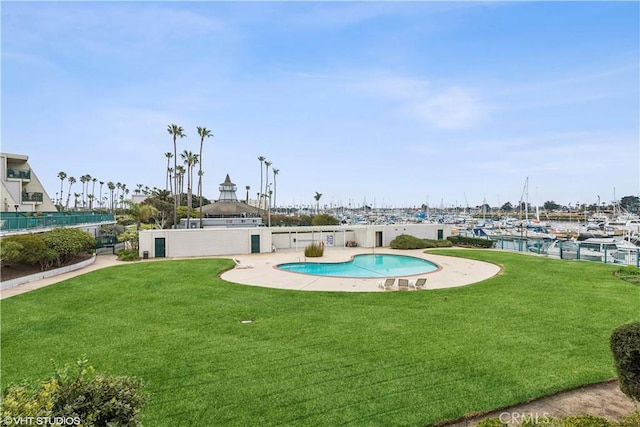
x=111, y=186
x=118, y=188
x=266, y=174
x=247, y=187
x=93, y=191
x=101, y=184
x=317, y=197
x=62, y=176
x=275, y=173
x=261, y=159
x=190, y=159
x=84, y=179
x=71, y=181
x=176, y=132
x=204, y=133
x=179, y=177
x=168, y=155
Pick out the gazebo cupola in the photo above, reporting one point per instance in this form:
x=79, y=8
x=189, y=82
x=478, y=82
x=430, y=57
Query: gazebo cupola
x=228, y=191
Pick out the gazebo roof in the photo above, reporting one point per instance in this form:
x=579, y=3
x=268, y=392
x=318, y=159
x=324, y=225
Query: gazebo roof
x=229, y=208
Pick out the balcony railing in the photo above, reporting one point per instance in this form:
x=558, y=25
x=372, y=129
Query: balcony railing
x=32, y=197
x=18, y=173
x=15, y=221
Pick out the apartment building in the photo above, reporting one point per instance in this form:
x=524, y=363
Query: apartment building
x=22, y=191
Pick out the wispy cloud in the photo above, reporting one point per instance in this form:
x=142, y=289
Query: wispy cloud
x=442, y=107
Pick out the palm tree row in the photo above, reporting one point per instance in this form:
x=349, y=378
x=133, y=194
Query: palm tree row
x=190, y=159
x=267, y=190
x=86, y=200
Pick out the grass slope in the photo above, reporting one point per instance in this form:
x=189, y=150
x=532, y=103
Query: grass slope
x=321, y=358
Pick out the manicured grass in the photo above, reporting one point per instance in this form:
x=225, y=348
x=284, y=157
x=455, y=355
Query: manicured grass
x=322, y=358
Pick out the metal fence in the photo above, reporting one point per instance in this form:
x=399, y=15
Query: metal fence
x=570, y=250
x=15, y=221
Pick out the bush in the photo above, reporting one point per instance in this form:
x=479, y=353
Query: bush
x=314, y=250
x=69, y=242
x=79, y=398
x=632, y=420
x=33, y=246
x=405, y=241
x=10, y=251
x=128, y=255
x=325, y=219
x=470, y=241
x=628, y=273
x=625, y=346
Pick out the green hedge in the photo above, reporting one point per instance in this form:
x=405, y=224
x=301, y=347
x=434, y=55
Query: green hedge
x=625, y=346
x=470, y=241
x=406, y=241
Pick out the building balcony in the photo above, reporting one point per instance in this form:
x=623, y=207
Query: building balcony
x=14, y=173
x=32, y=197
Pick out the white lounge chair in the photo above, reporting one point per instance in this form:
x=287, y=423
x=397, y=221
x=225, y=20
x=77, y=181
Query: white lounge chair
x=403, y=284
x=388, y=285
x=421, y=283
x=239, y=264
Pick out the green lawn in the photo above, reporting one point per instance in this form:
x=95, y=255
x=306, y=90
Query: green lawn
x=322, y=358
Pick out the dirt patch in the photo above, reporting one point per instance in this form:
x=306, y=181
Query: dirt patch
x=14, y=271
x=600, y=400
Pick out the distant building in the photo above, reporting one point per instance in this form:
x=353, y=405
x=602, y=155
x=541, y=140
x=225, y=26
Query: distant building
x=227, y=211
x=21, y=188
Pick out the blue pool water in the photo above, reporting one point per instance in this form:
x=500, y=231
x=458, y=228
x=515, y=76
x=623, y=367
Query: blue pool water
x=368, y=265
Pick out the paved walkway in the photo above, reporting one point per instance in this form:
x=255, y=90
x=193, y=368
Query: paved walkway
x=452, y=271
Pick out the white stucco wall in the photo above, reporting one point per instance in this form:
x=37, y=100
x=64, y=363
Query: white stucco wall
x=230, y=241
x=204, y=242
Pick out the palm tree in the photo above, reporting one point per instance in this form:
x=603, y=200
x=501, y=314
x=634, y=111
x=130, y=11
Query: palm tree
x=111, y=186
x=261, y=158
x=317, y=197
x=118, y=188
x=168, y=155
x=247, y=187
x=179, y=177
x=84, y=179
x=101, y=184
x=275, y=173
x=204, y=133
x=93, y=191
x=190, y=160
x=72, y=181
x=176, y=132
x=141, y=212
x=266, y=174
x=62, y=176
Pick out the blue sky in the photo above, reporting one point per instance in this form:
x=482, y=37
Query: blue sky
x=395, y=103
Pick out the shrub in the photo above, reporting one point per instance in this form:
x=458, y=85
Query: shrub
x=632, y=420
x=625, y=346
x=79, y=397
x=628, y=273
x=10, y=251
x=437, y=243
x=470, y=241
x=406, y=241
x=128, y=255
x=325, y=219
x=314, y=250
x=584, y=421
x=33, y=247
x=69, y=242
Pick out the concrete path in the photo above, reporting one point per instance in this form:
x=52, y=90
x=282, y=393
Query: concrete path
x=452, y=271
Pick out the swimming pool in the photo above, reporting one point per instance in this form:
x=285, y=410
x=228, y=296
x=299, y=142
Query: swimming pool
x=367, y=265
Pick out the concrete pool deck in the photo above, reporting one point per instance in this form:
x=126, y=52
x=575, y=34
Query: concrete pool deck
x=260, y=270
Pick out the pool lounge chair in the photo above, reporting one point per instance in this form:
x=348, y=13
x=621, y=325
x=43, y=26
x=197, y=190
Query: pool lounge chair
x=239, y=264
x=421, y=283
x=403, y=284
x=388, y=284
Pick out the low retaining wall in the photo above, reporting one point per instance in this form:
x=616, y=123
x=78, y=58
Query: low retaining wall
x=48, y=273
